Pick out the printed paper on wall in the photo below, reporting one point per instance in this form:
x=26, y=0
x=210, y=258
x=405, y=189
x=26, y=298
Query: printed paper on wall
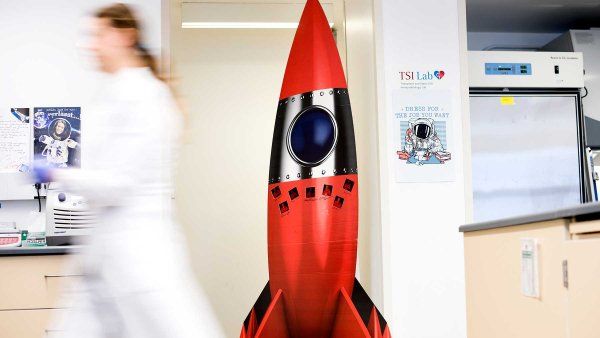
x=56, y=136
x=422, y=129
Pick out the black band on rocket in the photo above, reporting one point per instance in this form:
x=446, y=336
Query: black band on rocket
x=313, y=136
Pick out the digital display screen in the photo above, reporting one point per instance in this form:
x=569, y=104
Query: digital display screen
x=508, y=69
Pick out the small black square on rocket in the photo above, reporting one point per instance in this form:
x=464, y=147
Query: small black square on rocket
x=310, y=192
x=276, y=192
x=284, y=207
x=327, y=190
x=293, y=193
x=338, y=202
x=348, y=185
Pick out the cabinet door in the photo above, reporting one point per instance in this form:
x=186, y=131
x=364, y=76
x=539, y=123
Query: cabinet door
x=29, y=323
x=583, y=256
x=32, y=282
x=496, y=306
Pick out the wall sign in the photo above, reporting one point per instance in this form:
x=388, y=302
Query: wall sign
x=56, y=136
x=14, y=140
x=422, y=131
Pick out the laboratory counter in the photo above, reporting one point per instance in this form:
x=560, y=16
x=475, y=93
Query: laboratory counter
x=43, y=250
x=534, y=276
x=583, y=212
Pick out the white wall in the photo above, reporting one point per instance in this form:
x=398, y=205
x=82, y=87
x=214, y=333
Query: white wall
x=229, y=81
x=42, y=62
x=360, y=56
x=487, y=40
x=422, y=250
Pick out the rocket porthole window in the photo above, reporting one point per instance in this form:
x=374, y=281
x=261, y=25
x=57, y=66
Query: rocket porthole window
x=312, y=136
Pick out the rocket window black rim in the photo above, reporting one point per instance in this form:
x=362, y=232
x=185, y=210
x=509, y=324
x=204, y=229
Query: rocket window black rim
x=312, y=136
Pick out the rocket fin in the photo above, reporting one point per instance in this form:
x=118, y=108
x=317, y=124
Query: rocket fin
x=374, y=328
x=369, y=313
x=252, y=324
x=357, y=316
x=274, y=324
x=348, y=323
x=386, y=332
x=257, y=313
x=267, y=317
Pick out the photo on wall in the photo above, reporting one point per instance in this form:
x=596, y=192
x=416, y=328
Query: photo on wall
x=21, y=114
x=57, y=135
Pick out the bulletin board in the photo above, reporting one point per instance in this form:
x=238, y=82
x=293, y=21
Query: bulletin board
x=49, y=135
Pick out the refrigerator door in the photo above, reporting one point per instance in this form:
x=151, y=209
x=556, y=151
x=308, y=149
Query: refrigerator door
x=525, y=154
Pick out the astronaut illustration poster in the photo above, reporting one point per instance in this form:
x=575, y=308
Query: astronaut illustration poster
x=422, y=126
x=56, y=136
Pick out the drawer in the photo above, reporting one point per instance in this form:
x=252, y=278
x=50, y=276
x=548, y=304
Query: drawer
x=30, y=323
x=32, y=282
x=585, y=230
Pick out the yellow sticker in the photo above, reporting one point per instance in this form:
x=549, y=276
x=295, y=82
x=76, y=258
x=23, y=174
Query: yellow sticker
x=507, y=100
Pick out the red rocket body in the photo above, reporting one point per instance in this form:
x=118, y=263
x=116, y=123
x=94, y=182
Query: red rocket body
x=313, y=202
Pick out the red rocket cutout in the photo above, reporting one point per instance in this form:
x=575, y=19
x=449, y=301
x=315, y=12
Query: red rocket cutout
x=313, y=202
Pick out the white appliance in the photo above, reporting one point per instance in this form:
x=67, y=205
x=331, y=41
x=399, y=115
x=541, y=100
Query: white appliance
x=587, y=42
x=495, y=69
x=68, y=217
x=10, y=236
x=528, y=154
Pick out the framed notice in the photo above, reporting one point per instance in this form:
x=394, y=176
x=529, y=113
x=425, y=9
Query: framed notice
x=423, y=140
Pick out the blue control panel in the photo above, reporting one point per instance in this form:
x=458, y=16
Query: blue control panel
x=508, y=69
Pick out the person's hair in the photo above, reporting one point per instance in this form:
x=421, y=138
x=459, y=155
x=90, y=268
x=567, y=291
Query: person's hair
x=66, y=127
x=122, y=16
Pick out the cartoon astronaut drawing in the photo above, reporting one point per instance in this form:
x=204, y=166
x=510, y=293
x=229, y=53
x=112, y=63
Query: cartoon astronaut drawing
x=422, y=144
x=58, y=143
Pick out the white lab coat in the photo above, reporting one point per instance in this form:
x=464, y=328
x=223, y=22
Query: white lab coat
x=137, y=280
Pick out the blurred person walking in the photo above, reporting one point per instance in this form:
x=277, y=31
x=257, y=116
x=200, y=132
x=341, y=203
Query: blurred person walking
x=137, y=280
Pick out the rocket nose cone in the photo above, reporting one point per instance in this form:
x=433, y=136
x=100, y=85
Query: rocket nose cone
x=314, y=62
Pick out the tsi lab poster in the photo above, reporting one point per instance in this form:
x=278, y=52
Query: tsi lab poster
x=422, y=131
x=56, y=136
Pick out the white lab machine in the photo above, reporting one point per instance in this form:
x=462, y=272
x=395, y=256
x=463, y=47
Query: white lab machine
x=68, y=217
x=527, y=135
x=586, y=42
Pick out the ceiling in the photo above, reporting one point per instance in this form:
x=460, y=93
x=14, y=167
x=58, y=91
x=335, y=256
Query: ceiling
x=543, y=16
